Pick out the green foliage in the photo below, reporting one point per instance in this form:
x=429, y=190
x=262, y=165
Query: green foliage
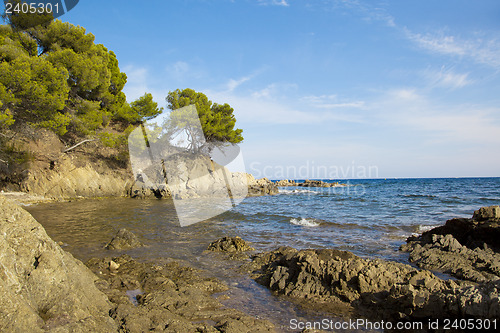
x=20, y=20
x=52, y=75
x=6, y=118
x=217, y=121
x=142, y=108
x=145, y=107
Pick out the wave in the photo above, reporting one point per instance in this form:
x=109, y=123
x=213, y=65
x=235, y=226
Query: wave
x=423, y=228
x=418, y=195
x=296, y=191
x=304, y=222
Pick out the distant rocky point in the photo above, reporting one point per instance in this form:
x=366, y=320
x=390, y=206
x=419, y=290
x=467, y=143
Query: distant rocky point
x=307, y=183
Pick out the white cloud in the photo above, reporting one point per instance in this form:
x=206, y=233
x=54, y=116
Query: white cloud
x=447, y=78
x=283, y=3
x=436, y=123
x=233, y=84
x=263, y=107
x=368, y=12
x=479, y=50
x=274, y=91
x=137, y=85
x=136, y=82
x=331, y=102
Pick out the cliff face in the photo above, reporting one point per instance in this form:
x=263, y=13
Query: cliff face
x=71, y=177
x=90, y=170
x=43, y=287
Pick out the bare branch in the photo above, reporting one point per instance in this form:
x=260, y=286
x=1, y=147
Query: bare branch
x=79, y=143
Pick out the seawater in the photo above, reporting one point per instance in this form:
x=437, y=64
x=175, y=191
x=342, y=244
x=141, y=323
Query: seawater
x=370, y=218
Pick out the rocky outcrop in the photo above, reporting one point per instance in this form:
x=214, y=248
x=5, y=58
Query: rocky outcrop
x=187, y=176
x=375, y=288
x=286, y=182
x=230, y=244
x=318, y=183
x=307, y=183
x=262, y=186
x=123, y=240
x=167, y=297
x=43, y=287
x=52, y=171
x=69, y=178
x=465, y=248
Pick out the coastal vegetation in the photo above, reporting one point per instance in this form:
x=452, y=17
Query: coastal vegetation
x=57, y=82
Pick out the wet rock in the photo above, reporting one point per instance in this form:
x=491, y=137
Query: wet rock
x=375, y=288
x=486, y=213
x=123, y=240
x=230, y=244
x=43, y=287
x=465, y=248
x=173, y=298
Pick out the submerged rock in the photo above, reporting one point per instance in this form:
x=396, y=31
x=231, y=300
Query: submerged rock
x=123, y=240
x=375, y=288
x=43, y=287
x=230, y=244
x=465, y=248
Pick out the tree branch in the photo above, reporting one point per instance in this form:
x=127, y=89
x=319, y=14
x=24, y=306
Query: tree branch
x=79, y=143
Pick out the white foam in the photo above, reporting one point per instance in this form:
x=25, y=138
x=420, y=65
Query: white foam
x=296, y=191
x=304, y=222
x=424, y=228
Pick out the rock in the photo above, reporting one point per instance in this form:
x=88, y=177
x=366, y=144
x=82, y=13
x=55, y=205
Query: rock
x=195, y=176
x=43, y=287
x=286, y=182
x=486, y=213
x=262, y=186
x=375, y=288
x=172, y=297
x=230, y=244
x=123, y=240
x=318, y=183
x=465, y=248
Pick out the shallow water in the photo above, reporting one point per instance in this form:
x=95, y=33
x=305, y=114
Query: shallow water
x=371, y=218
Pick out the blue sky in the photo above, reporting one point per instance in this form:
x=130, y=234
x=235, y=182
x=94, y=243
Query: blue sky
x=381, y=88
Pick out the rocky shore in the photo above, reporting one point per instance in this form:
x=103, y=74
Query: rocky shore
x=44, y=288
x=467, y=249
x=307, y=183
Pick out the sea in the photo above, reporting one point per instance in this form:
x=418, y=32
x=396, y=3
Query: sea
x=370, y=217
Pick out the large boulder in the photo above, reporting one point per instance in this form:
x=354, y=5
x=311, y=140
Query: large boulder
x=43, y=287
x=123, y=240
x=487, y=213
x=230, y=244
x=465, y=248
